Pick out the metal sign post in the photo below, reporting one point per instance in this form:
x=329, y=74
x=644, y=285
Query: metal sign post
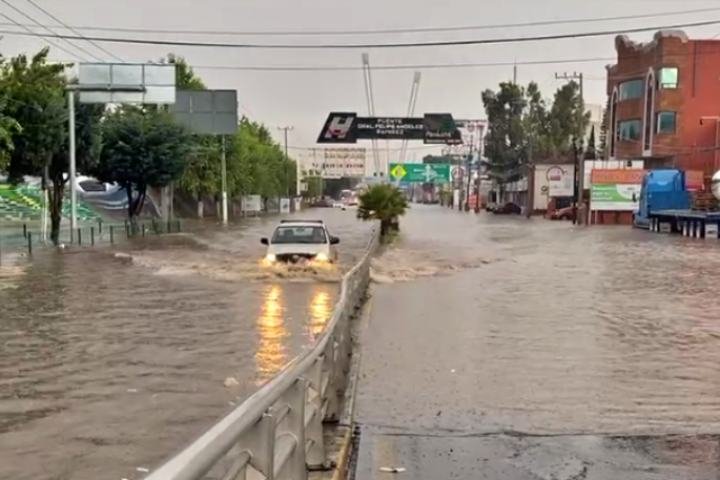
x=73, y=167
x=223, y=167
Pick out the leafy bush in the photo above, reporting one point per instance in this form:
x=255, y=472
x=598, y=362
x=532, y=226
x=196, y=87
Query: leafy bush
x=384, y=203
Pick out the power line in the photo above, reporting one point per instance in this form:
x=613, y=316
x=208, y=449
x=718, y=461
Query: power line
x=419, y=66
x=321, y=46
x=49, y=42
x=389, y=30
x=52, y=33
x=95, y=44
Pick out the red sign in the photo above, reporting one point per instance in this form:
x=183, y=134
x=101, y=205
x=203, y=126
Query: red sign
x=617, y=176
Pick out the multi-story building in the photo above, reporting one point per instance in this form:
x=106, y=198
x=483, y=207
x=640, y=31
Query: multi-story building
x=665, y=102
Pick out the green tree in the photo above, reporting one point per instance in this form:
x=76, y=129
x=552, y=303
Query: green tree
x=185, y=78
x=568, y=120
x=385, y=203
x=314, y=184
x=505, y=142
x=590, y=151
x=35, y=94
x=602, y=148
x=535, y=123
x=8, y=128
x=141, y=149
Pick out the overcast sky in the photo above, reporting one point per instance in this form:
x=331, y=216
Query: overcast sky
x=303, y=99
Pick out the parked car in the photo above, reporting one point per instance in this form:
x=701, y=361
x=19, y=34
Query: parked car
x=301, y=240
x=562, y=214
x=507, y=208
x=490, y=207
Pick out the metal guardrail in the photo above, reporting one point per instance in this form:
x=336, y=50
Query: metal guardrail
x=277, y=433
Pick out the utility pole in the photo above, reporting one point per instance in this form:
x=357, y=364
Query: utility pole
x=285, y=131
x=579, y=155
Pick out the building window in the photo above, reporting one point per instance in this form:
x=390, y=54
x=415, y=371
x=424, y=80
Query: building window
x=649, y=113
x=668, y=78
x=631, y=89
x=666, y=122
x=629, y=130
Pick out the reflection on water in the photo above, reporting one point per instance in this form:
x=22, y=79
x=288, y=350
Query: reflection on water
x=273, y=329
x=271, y=352
x=320, y=311
x=112, y=359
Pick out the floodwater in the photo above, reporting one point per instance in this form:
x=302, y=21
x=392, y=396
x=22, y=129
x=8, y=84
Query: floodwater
x=504, y=324
x=503, y=348
x=113, y=359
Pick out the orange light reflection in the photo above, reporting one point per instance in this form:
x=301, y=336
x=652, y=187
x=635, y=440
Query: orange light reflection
x=271, y=355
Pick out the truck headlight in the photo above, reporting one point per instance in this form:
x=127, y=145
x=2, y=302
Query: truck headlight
x=321, y=257
x=270, y=258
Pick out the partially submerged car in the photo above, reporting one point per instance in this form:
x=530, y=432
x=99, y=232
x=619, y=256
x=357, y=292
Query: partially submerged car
x=566, y=213
x=297, y=241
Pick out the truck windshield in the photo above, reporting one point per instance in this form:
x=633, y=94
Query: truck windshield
x=299, y=235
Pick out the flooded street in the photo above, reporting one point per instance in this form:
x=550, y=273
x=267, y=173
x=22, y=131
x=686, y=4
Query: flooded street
x=494, y=325
x=482, y=330
x=112, y=359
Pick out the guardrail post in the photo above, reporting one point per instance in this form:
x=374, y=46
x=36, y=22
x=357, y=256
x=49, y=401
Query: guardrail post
x=24, y=230
x=315, y=456
x=100, y=222
x=260, y=442
x=294, y=425
x=331, y=390
x=79, y=235
x=92, y=236
x=29, y=239
x=112, y=234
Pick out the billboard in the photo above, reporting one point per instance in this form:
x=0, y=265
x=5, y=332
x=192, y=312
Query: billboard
x=210, y=112
x=615, y=190
x=560, y=180
x=126, y=83
x=347, y=127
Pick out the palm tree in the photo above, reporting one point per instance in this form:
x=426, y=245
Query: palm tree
x=385, y=203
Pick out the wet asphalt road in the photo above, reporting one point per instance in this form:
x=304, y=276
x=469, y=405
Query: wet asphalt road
x=112, y=359
x=501, y=348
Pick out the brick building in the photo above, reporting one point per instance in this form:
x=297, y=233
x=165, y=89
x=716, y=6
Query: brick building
x=665, y=102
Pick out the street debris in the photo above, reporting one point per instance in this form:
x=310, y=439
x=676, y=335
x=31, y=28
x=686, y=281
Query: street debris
x=392, y=469
x=231, y=382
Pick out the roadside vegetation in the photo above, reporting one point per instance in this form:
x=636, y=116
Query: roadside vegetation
x=523, y=128
x=137, y=147
x=385, y=203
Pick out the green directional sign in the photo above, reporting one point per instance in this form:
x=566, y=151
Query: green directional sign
x=420, y=172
